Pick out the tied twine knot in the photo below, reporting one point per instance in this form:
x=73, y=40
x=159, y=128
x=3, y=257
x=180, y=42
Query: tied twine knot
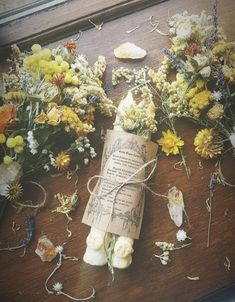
x=118, y=185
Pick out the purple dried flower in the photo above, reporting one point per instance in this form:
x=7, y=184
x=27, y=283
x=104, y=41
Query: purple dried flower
x=213, y=38
x=213, y=182
x=29, y=235
x=179, y=66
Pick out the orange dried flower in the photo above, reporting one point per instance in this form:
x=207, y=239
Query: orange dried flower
x=71, y=45
x=58, y=79
x=193, y=49
x=7, y=115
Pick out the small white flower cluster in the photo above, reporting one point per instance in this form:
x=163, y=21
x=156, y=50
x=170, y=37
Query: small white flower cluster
x=184, y=26
x=33, y=144
x=164, y=257
x=52, y=159
x=166, y=247
x=83, y=146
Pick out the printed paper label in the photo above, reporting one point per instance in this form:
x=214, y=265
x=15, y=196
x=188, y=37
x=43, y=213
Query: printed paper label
x=117, y=207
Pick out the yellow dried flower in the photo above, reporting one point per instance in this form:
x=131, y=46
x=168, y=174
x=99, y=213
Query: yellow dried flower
x=14, y=95
x=41, y=118
x=54, y=114
x=207, y=143
x=216, y=112
x=199, y=102
x=170, y=142
x=200, y=84
x=192, y=93
x=62, y=161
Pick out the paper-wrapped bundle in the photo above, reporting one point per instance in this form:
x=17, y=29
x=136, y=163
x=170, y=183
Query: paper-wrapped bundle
x=115, y=208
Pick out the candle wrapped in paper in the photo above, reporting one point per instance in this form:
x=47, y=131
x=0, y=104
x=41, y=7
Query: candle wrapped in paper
x=115, y=208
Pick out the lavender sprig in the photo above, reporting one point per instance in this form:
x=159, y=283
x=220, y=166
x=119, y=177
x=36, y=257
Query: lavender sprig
x=178, y=65
x=222, y=86
x=30, y=226
x=213, y=38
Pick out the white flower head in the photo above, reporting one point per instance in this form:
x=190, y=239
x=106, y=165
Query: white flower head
x=59, y=249
x=57, y=287
x=86, y=161
x=46, y=167
x=217, y=95
x=181, y=235
x=205, y=72
x=33, y=151
x=184, y=32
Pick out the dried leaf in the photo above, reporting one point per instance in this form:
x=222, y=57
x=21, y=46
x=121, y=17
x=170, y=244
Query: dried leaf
x=176, y=205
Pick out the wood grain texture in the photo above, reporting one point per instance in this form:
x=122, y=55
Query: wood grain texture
x=63, y=20
x=22, y=278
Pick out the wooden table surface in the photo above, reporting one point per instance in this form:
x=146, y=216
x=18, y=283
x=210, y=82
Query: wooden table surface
x=22, y=278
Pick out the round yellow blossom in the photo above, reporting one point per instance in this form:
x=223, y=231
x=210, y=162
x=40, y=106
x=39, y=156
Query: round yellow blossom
x=170, y=142
x=11, y=143
x=68, y=78
x=36, y=48
x=199, y=102
x=75, y=81
x=58, y=59
x=216, y=112
x=64, y=65
x=46, y=53
x=2, y=138
x=62, y=161
x=192, y=93
x=207, y=143
x=7, y=160
x=47, y=77
x=19, y=149
x=19, y=140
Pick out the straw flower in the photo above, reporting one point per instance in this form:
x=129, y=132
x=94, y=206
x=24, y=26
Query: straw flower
x=199, y=102
x=62, y=161
x=170, y=142
x=216, y=112
x=206, y=143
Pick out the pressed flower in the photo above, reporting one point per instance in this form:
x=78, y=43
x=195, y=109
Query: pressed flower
x=199, y=102
x=170, y=142
x=62, y=161
x=207, y=143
